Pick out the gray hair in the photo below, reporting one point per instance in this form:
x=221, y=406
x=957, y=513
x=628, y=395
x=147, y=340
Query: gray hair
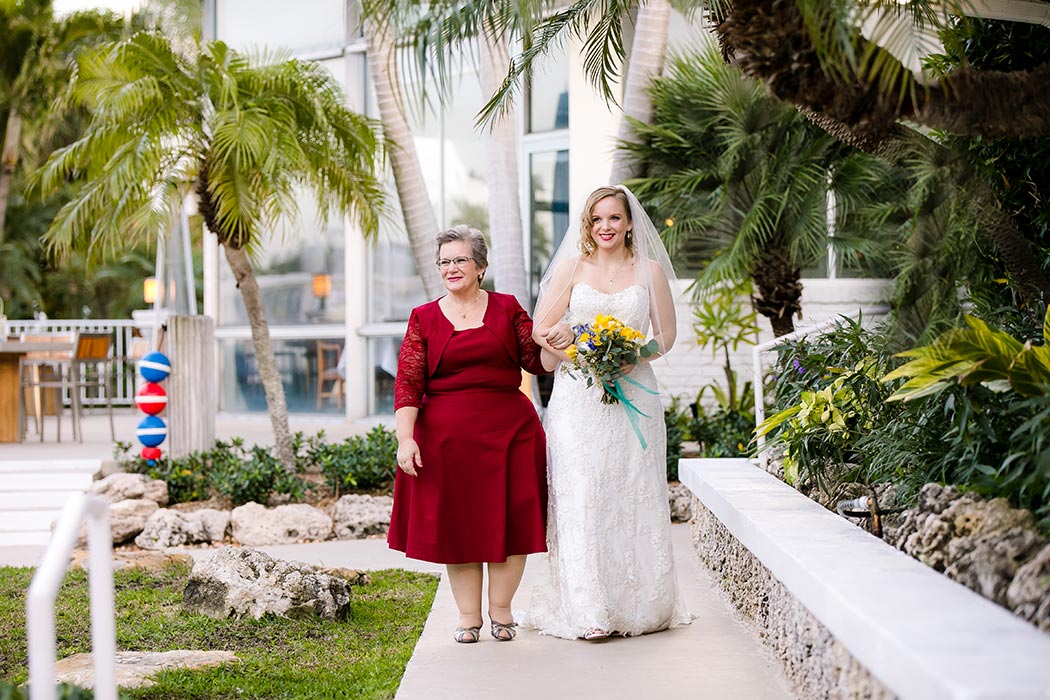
x=462, y=232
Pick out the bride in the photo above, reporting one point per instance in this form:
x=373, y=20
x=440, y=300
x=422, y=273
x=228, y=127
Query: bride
x=611, y=566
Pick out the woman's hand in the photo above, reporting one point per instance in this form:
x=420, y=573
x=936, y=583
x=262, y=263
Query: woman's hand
x=559, y=337
x=408, y=457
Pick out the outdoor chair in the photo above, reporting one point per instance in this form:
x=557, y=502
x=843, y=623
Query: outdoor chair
x=43, y=384
x=91, y=376
x=329, y=383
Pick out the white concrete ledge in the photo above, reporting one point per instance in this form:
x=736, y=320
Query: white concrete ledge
x=919, y=633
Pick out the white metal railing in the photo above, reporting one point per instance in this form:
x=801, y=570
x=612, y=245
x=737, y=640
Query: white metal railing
x=122, y=330
x=760, y=349
x=40, y=602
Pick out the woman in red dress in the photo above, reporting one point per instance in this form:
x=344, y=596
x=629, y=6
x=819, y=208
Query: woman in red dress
x=472, y=483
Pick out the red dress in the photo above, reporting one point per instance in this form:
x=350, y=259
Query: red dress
x=481, y=494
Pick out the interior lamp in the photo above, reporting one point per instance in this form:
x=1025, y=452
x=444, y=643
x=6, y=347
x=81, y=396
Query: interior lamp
x=322, y=287
x=149, y=290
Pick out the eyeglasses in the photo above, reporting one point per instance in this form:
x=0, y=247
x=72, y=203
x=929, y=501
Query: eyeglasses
x=444, y=263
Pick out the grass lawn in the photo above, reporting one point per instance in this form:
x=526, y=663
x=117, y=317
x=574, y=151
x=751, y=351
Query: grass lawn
x=362, y=658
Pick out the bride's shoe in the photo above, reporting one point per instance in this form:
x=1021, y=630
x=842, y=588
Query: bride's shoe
x=595, y=633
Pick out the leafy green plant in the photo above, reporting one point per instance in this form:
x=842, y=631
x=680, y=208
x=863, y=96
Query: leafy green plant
x=361, y=462
x=228, y=469
x=722, y=324
x=723, y=433
x=676, y=422
x=825, y=425
x=828, y=393
x=978, y=354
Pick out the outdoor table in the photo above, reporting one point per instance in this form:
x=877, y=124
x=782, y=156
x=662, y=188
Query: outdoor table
x=11, y=354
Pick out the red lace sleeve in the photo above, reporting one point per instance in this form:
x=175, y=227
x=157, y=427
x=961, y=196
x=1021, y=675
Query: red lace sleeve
x=528, y=351
x=411, y=378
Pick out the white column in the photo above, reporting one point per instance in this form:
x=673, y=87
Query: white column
x=357, y=384
x=593, y=128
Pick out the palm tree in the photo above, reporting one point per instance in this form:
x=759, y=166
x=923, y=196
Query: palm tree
x=648, y=51
x=814, y=54
x=389, y=22
x=418, y=214
x=36, y=58
x=744, y=179
x=247, y=136
x=844, y=63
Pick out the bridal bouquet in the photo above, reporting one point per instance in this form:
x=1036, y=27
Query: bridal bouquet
x=601, y=350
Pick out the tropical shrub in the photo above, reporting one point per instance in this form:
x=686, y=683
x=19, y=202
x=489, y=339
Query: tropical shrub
x=676, y=421
x=242, y=474
x=229, y=469
x=722, y=323
x=971, y=409
x=362, y=462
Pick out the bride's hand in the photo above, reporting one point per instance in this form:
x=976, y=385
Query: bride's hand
x=558, y=337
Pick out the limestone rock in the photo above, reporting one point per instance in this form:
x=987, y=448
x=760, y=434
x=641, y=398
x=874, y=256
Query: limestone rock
x=987, y=564
x=134, y=668
x=241, y=582
x=933, y=499
x=122, y=486
x=680, y=499
x=256, y=525
x=359, y=515
x=170, y=528
x=128, y=517
x=216, y=523
x=1029, y=593
x=130, y=559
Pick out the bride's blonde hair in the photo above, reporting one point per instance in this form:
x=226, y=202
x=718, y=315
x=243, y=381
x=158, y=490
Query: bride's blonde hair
x=587, y=242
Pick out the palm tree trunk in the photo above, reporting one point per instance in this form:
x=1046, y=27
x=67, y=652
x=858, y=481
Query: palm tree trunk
x=264, y=357
x=647, y=61
x=420, y=222
x=501, y=165
x=8, y=161
x=777, y=290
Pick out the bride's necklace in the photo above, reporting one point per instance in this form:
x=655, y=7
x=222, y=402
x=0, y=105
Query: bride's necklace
x=464, y=310
x=614, y=273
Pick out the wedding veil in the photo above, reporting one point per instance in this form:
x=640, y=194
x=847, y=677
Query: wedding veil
x=652, y=271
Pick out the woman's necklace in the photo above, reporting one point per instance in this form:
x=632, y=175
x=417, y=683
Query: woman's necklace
x=614, y=273
x=464, y=310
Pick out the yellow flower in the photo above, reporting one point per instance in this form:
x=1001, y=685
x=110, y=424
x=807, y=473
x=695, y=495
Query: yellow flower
x=571, y=352
x=584, y=337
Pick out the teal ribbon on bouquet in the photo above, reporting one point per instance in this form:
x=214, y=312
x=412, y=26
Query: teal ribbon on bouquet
x=629, y=408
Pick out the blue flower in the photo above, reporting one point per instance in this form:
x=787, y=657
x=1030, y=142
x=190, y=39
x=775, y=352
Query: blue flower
x=798, y=366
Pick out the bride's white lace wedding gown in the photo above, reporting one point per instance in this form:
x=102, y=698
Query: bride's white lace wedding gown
x=611, y=565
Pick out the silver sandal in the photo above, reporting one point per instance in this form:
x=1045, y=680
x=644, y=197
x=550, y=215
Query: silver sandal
x=504, y=632
x=467, y=635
